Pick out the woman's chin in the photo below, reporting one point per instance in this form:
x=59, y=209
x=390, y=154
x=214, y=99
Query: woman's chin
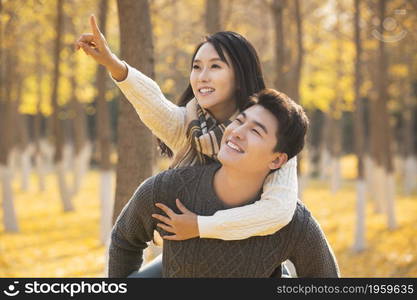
x=206, y=103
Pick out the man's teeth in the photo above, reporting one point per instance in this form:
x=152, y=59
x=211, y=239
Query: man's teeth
x=233, y=146
x=206, y=90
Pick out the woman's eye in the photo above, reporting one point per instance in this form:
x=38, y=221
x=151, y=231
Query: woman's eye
x=239, y=121
x=195, y=67
x=215, y=66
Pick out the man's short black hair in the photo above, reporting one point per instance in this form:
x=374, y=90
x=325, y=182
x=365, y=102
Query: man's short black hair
x=292, y=120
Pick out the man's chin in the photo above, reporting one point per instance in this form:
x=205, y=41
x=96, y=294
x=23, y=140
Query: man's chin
x=224, y=159
x=231, y=162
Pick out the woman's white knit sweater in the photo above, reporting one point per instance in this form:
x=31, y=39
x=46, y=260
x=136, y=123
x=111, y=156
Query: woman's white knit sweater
x=167, y=121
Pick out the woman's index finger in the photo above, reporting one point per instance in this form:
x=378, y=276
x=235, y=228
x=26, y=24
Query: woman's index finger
x=94, y=26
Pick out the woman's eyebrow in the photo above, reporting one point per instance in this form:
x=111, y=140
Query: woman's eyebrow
x=212, y=59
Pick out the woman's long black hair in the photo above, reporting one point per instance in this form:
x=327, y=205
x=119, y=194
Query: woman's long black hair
x=245, y=63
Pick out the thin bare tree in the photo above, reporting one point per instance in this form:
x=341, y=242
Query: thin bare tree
x=359, y=128
x=277, y=10
x=37, y=134
x=385, y=130
x=57, y=126
x=82, y=145
x=103, y=134
x=6, y=78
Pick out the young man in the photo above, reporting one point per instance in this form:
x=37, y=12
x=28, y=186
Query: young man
x=261, y=139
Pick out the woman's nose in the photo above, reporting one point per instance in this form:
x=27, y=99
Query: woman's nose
x=204, y=75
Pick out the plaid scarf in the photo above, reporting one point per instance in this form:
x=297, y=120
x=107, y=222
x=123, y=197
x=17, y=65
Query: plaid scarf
x=204, y=135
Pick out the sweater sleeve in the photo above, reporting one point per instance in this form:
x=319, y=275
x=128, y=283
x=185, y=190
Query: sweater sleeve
x=312, y=255
x=272, y=212
x=165, y=119
x=133, y=228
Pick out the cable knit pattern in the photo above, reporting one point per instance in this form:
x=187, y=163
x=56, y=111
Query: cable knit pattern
x=302, y=240
x=167, y=121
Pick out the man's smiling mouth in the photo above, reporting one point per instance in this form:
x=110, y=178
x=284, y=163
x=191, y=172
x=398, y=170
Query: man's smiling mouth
x=233, y=146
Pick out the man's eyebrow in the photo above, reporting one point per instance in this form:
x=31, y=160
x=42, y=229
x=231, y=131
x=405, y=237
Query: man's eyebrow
x=263, y=127
x=212, y=59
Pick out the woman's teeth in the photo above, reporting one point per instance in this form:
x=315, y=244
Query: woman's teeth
x=206, y=91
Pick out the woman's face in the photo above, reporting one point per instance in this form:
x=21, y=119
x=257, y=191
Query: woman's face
x=213, y=82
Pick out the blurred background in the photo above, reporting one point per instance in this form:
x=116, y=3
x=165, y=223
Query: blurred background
x=73, y=150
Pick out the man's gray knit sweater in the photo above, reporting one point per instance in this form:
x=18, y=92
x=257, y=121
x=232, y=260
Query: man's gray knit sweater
x=301, y=241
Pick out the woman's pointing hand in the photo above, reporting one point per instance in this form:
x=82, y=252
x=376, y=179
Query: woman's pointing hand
x=95, y=45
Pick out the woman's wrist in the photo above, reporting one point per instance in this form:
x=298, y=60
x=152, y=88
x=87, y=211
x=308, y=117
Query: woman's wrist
x=117, y=68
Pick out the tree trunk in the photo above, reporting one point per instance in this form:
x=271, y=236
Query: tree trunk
x=78, y=121
x=410, y=161
x=82, y=147
x=103, y=134
x=295, y=95
x=335, y=114
x=134, y=147
x=325, y=158
x=9, y=214
x=359, y=128
x=213, y=9
x=39, y=160
x=278, y=17
x=22, y=132
x=79, y=129
x=375, y=164
x=335, y=151
x=26, y=151
x=386, y=144
x=57, y=123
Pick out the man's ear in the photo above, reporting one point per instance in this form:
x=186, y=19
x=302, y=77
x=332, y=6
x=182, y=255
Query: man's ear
x=277, y=163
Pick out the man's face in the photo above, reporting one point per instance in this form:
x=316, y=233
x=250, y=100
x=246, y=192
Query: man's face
x=248, y=142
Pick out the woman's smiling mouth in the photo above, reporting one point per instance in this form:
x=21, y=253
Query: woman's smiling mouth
x=204, y=91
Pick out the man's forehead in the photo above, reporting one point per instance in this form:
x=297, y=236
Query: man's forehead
x=258, y=113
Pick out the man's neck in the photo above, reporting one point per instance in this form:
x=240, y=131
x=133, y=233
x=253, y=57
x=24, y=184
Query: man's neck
x=234, y=187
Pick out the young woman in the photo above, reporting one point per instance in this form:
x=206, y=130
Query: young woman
x=225, y=72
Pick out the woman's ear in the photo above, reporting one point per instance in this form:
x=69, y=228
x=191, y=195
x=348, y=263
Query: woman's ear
x=277, y=163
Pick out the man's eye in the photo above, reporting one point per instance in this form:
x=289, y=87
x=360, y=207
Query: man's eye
x=256, y=132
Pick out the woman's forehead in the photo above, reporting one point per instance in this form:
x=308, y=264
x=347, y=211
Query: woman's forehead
x=208, y=52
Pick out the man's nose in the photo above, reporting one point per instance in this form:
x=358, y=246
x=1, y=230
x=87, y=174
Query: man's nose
x=239, y=132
